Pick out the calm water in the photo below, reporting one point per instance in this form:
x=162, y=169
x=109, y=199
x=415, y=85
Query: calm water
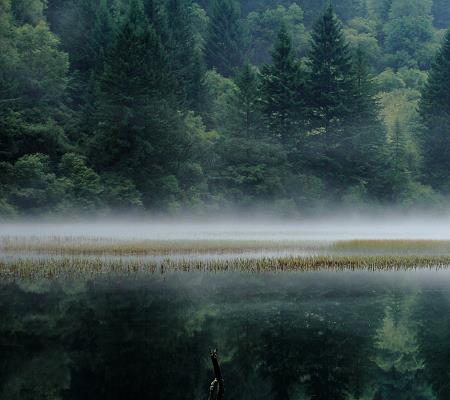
x=349, y=335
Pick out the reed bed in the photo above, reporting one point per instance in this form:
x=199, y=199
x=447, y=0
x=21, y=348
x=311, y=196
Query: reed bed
x=103, y=246
x=410, y=246
x=53, y=268
x=84, y=246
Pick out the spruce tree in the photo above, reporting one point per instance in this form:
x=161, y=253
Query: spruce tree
x=225, y=47
x=281, y=91
x=331, y=86
x=248, y=98
x=139, y=131
x=346, y=139
x=331, y=100
x=185, y=57
x=435, y=113
x=366, y=148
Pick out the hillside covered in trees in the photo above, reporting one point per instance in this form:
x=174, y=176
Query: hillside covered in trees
x=203, y=106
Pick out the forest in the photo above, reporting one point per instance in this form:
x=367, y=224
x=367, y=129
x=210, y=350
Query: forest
x=182, y=106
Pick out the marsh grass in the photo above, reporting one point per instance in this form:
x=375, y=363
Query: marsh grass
x=68, y=245
x=387, y=246
x=54, y=257
x=52, y=268
x=102, y=246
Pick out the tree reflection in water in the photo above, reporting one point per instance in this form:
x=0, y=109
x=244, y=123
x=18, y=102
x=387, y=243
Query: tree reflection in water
x=282, y=337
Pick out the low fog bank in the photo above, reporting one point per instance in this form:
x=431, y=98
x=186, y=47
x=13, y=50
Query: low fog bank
x=327, y=228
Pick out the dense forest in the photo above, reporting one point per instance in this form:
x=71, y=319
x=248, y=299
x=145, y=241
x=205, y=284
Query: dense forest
x=202, y=106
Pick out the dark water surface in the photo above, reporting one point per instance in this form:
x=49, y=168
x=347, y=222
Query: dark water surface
x=322, y=335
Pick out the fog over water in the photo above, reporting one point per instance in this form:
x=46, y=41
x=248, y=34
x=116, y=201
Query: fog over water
x=321, y=229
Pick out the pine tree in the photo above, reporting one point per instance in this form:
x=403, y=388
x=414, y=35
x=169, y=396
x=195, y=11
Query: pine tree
x=281, y=91
x=247, y=101
x=435, y=113
x=331, y=86
x=364, y=138
x=138, y=132
x=332, y=102
x=347, y=140
x=185, y=57
x=156, y=13
x=225, y=47
x=400, y=171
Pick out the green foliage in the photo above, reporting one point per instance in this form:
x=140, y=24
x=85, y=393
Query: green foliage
x=225, y=47
x=245, y=115
x=441, y=14
x=136, y=111
x=155, y=104
x=408, y=33
x=281, y=90
x=184, y=52
x=330, y=84
x=33, y=186
x=434, y=111
x=264, y=25
x=361, y=34
x=28, y=11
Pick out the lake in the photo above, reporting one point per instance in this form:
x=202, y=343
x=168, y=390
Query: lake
x=309, y=333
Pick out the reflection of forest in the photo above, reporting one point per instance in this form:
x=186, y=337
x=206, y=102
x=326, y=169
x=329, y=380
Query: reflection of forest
x=280, y=338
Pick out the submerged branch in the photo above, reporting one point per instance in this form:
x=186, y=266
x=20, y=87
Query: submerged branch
x=216, y=390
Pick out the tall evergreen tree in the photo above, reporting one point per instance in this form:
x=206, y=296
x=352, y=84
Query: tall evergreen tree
x=139, y=131
x=248, y=101
x=225, y=44
x=86, y=30
x=185, y=57
x=281, y=90
x=346, y=141
x=435, y=113
x=330, y=84
x=331, y=93
x=331, y=88
x=366, y=151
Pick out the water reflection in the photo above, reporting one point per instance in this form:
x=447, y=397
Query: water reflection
x=281, y=336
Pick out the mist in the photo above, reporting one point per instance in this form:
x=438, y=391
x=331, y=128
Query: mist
x=329, y=228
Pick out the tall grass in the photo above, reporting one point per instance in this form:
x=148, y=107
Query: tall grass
x=101, y=246
x=57, y=267
x=54, y=257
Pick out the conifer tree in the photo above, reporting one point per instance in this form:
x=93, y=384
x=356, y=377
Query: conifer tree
x=185, y=57
x=347, y=139
x=435, y=113
x=399, y=163
x=330, y=83
x=281, y=90
x=365, y=135
x=225, y=47
x=248, y=104
x=138, y=131
x=156, y=13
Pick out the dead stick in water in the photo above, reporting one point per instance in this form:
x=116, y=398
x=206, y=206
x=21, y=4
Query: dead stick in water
x=216, y=390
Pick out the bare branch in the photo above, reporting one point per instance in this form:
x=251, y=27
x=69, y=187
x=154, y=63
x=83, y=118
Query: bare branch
x=218, y=375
